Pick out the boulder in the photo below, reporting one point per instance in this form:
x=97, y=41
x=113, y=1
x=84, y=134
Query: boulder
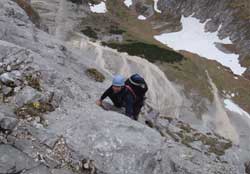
x=8, y=123
x=6, y=90
x=27, y=95
x=7, y=78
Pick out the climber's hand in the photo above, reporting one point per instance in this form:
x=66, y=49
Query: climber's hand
x=99, y=102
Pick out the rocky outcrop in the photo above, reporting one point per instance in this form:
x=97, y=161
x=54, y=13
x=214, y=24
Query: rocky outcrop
x=60, y=16
x=14, y=161
x=33, y=15
x=50, y=124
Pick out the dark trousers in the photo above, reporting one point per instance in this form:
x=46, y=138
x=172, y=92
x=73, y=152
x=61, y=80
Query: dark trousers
x=137, y=109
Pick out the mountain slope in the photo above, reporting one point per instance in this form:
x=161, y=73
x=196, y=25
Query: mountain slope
x=120, y=29
x=50, y=124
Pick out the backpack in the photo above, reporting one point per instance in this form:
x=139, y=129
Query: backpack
x=137, y=86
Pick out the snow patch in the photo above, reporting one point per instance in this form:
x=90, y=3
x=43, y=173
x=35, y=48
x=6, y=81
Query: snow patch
x=155, y=6
x=128, y=3
x=99, y=8
x=230, y=105
x=141, y=17
x=193, y=38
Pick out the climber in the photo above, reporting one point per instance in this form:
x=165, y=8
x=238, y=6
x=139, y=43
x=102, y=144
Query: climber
x=138, y=88
x=115, y=92
x=124, y=96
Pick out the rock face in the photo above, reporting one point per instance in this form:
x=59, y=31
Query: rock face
x=226, y=16
x=14, y=160
x=60, y=16
x=57, y=128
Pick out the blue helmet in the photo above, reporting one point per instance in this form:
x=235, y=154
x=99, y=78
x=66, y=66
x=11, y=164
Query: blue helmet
x=118, y=80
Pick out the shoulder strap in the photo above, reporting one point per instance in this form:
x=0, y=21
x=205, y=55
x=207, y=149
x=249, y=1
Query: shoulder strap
x=131, y=90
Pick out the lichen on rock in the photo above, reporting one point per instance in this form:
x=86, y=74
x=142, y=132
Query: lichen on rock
x=94, y=74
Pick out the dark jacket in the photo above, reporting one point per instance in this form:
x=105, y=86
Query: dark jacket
x=122, y=99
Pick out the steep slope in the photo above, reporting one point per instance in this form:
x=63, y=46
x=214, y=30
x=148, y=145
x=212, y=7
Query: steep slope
x=50, y=124
x=60, y=16
x=111, y=61
x=120, y=28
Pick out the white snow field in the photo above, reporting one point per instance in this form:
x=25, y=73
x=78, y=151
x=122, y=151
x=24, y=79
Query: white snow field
x=230, y=105
x=193, y=38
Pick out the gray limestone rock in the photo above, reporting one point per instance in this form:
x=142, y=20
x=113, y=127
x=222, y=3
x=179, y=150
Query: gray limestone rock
x=6, y=90
x=8, y=123
x=7, y=78
x=14, y=161
x=38, y=170
x=61, y=171
x=27, y=95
